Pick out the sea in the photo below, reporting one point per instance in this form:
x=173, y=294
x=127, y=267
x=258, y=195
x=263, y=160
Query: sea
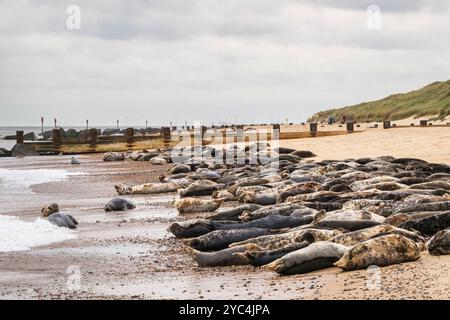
x=7, y=131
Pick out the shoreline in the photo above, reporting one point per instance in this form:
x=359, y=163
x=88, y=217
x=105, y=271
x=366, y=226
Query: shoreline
x=131, y=255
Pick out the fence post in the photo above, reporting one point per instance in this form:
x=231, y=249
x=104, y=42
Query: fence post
x=313, y=128
x=93, y=134
x=19, y=137
x=56, y=137
x=165, y=132
x=386, y=124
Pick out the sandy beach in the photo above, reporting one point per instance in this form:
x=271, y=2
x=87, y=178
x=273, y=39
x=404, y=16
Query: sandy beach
x=131, y=255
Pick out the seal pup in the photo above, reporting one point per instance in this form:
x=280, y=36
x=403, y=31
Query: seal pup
x=316, y=256
x=430, y=225
x=63, y=220
x=49, y=209
x=113, y=156
x=439, y=244
x=381, y=251
x=119, y=204
x=147, y=188
x=221, y=258
x=221, y=239
x=191, y=205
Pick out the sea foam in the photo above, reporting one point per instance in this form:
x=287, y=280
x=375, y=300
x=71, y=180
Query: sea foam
x=18, y=235
x=13, y=180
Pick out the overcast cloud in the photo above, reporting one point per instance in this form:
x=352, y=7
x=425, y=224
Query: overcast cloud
x=212, y=60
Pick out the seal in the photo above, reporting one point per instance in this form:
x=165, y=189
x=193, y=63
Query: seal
x=221, y=239
x=147, y=188
x=276, y=241
x=429, y=206
x=257, y=194
x=180, y=168
x=284, y=209
x=269, y=222
x=190, y=228
x=299, y=188
x=259, y=257
x=399, y=218
x=316, y=256
x=439, y=244
x=75, y=161
x=159, y=161
x=224, y=257
x=381, y=251
x=113, y=156
x=63, y=220
x=224, y=194
x=190, y=205
x=355, y=237
x=430, y=225
x=233, y=214
x=119, y=204
x=199, y=188
x=49, y=209
x=350, y=220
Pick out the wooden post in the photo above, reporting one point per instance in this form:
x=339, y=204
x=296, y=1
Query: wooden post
x=276, y=126
x=204, y=129
x=19, y=137
x=350, y=126
x=423, y=123
x=386, y=124
x=57, y=139
x=165, y=132
x=130, y=135
x=87, y=124
x=42, y=126
x=93, y=134
x=313, y=128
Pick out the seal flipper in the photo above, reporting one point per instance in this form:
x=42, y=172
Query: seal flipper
x=75, y=222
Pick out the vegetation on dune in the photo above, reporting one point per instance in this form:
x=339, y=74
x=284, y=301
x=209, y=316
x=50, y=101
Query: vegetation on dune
x=432, y=100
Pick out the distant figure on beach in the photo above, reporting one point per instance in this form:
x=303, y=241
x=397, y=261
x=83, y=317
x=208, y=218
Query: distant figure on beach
x=74, y=161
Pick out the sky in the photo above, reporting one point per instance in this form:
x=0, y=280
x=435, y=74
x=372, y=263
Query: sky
x=212, y=60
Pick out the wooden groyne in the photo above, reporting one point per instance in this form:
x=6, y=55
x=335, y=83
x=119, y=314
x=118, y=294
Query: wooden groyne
x=94, y=142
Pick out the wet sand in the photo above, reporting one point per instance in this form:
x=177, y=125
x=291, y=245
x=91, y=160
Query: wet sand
x=132, y=256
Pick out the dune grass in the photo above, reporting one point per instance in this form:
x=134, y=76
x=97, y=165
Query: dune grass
x=431, y=100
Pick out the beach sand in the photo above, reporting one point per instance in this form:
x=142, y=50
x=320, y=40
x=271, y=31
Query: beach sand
x=131, y=255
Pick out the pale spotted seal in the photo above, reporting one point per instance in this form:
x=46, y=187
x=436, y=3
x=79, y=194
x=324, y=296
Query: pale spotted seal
x=318, y=255
x=381, y=251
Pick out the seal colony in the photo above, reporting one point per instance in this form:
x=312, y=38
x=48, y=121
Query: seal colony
x=287, y=213
x=279, y=210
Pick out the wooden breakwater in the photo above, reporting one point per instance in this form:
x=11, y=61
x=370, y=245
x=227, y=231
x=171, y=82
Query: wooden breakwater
x=94, y=142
